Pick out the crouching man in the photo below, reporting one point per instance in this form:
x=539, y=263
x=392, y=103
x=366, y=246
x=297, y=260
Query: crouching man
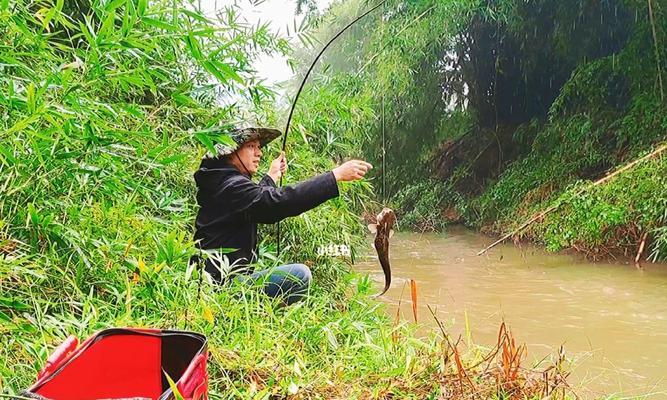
x=231, y=206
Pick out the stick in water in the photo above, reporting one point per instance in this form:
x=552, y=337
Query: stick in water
x=553, y=208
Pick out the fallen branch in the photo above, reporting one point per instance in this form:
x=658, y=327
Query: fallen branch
x=640, y=251
x=553, y=208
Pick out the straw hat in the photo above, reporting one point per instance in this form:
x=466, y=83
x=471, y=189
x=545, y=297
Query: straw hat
x=243, y=135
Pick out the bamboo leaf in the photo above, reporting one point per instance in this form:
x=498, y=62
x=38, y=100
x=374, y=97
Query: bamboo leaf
x=6, y=156
x=22, y=124
x=48, y=15
x=87, y=34
x=112, y=5
x=156, y=23
x=107, y=24
x=206, y=141
x=141, y=7
x=330, y=337
x=127, y=23
x=4, y=317
x=52, y=13
x=193, y=45
x=228, y=71
x=210, y=67
x=133, y=110
x=174, y=158
x=12, y=303
x=195, y=15
x=183, y=99
x=226, y=140
x=30, y=98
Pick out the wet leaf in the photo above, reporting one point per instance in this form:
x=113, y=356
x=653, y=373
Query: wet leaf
x=112, y=5
x=141, y=265
x=173, y=387
x=14, y=304
x=208, y=315
x=413, y=295
x=159, y=24
x=193, y=45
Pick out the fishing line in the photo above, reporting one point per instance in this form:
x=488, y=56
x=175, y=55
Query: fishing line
x=384, y=149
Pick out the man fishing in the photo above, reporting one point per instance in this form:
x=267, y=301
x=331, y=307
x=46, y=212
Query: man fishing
x=231, y=206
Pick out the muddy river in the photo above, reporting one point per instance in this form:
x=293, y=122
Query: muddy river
x=610, y=318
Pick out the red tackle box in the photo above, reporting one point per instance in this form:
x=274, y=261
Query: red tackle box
x=123, y=363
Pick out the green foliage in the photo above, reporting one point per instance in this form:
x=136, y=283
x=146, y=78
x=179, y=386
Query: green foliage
x=105, y=110
x=100, y=118
x=601, y=118
x=594, y=87
x=559, y=153
x=421, y=206
x=643, y=124
x=609, y=216
x=563, y=90
x=334, y=117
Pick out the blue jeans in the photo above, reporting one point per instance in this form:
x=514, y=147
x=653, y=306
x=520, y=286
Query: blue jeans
x=289, y=282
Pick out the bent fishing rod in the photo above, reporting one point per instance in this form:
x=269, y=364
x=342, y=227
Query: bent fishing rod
x=303, y=83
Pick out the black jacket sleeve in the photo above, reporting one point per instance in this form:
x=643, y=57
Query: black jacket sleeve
x=265, y=203
x=267, y=181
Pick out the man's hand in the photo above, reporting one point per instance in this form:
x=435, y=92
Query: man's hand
x=278, y=167
x=351, y=170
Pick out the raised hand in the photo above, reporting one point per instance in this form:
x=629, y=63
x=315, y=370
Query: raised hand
x=351, y=170
x=278, y=167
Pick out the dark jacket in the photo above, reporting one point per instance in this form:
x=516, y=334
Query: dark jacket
x=231, y=206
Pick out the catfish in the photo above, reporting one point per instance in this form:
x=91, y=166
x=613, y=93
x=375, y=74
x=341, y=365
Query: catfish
x=383, y=230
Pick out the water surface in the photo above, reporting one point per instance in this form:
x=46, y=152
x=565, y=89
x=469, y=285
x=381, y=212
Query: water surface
x=611, y=318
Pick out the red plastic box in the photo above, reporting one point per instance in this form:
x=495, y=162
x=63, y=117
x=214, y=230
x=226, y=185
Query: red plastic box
x=125, y=363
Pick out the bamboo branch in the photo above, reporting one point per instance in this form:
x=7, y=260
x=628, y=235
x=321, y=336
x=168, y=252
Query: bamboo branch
x=389, y=42
x=555, y=207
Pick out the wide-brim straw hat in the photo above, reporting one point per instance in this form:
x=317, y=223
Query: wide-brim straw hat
x=243, y=135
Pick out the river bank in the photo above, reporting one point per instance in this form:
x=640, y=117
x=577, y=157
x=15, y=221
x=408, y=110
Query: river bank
x=620, y=216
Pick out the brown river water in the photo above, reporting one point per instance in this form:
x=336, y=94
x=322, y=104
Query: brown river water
x=610, y=318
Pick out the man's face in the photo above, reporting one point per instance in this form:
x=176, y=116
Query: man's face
x=250, y=154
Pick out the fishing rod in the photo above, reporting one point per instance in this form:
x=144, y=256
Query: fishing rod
x=303, y=83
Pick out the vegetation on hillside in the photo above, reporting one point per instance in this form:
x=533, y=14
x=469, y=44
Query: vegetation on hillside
x=514, y=107
x=105, y=110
